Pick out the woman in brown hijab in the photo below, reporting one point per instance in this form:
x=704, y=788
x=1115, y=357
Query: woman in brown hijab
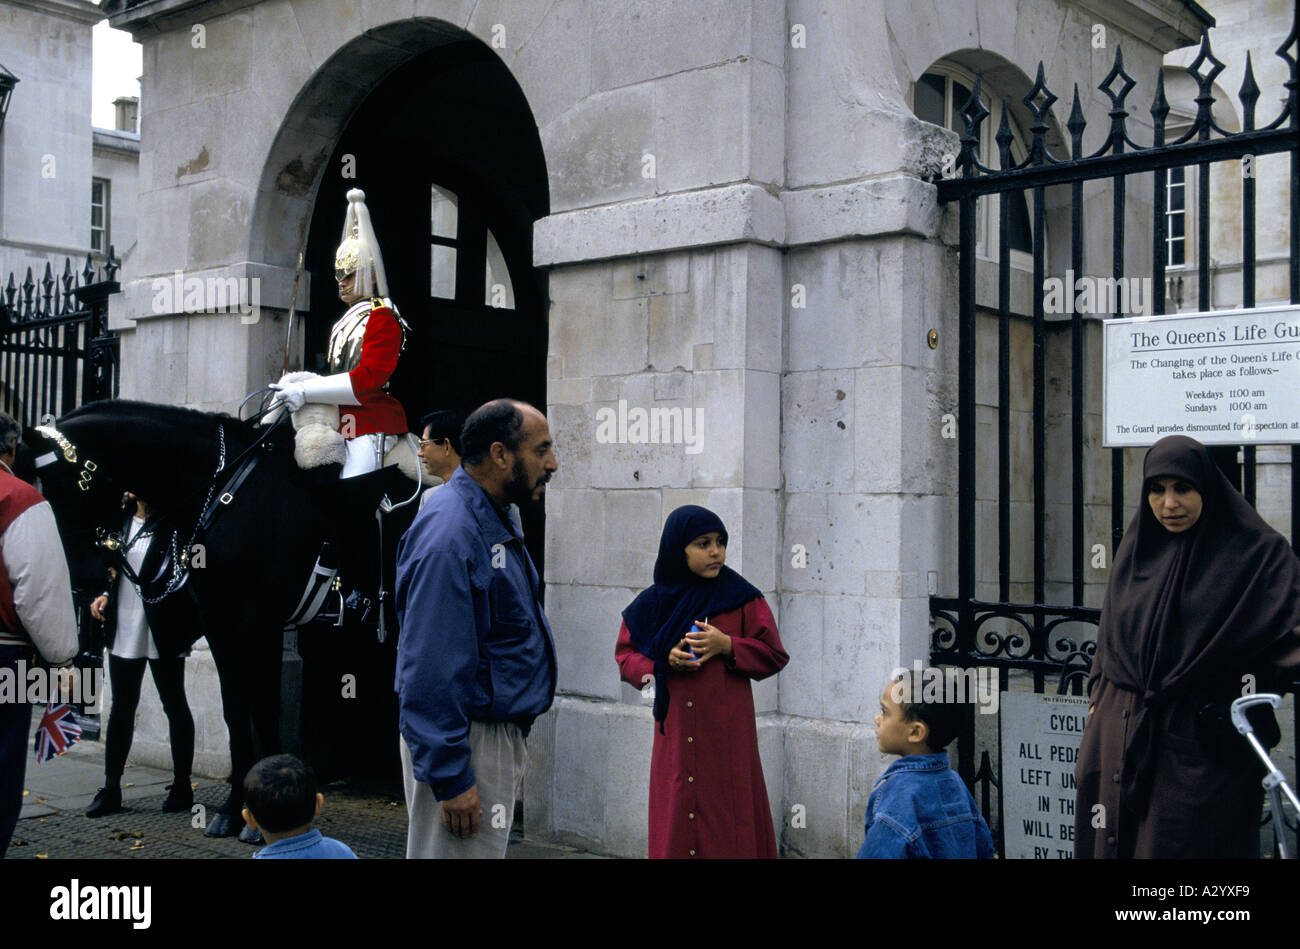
x=1203, y=605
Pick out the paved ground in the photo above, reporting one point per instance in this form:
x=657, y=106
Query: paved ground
x=57, y=793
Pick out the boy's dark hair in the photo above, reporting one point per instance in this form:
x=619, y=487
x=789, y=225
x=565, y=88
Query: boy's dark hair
x=931, y=700
x=498, y=421
x=281, y=793
x=444, y=423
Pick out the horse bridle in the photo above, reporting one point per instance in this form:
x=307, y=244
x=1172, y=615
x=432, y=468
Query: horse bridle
x=88, y=468
x=85, y=479
x=207, y=511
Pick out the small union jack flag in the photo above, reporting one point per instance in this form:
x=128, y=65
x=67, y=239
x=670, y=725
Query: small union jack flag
x=57, y=733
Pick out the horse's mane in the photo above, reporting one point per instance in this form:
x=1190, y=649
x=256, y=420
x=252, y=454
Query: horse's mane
x=174, y=414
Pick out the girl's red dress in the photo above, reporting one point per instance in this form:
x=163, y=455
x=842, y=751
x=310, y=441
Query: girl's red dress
x=707, y=795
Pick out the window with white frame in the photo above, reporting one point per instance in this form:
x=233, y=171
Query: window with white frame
x=99, y=215
x=444, y=219
x=1176, y=217
x=1181, y=90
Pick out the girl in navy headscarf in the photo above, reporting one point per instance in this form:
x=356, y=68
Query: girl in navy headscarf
x=696, y=638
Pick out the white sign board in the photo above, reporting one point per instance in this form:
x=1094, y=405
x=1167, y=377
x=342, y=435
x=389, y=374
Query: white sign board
x=1040, y=743
x=1231, y=377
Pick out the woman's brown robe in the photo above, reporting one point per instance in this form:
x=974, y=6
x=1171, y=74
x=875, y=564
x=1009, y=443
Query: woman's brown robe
x=1186, y=618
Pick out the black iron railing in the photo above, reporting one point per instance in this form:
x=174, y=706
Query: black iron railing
x=1032, y=636
x=56, y=351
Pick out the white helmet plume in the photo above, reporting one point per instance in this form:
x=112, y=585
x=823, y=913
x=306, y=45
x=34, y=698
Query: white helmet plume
x=371, y=278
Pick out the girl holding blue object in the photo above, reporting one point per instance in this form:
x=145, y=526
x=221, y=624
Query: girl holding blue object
x=701, y=633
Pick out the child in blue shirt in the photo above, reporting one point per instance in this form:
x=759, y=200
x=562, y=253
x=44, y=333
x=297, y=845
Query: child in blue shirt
x=281, y=801
x=920, y=808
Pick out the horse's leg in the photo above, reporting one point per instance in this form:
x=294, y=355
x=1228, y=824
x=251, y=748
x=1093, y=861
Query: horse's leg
x=236, y=708
x=262, y=649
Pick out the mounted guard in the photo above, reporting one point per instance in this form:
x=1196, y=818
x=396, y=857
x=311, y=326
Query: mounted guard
x=348, y=416
x=364, y=348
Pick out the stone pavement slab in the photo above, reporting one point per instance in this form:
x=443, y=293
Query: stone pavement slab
x=56, y=794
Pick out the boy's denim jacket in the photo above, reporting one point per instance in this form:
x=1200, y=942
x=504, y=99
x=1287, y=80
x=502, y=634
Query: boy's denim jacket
x=920, y=808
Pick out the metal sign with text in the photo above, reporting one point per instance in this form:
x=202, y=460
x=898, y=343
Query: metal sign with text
x=1228, y=377
x=1040, y=743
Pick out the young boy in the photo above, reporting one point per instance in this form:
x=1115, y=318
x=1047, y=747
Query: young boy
x=282, y=800
x=919, y=807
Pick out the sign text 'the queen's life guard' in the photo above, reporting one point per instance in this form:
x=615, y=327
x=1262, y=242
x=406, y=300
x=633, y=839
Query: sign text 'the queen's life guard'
x=1230, y=377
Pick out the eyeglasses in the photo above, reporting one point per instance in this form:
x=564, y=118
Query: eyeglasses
x=424, y=442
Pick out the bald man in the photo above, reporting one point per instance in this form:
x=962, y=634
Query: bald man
x=476, y=660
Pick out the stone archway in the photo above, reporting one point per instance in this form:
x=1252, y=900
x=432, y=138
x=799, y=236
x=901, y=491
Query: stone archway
x=448, y=116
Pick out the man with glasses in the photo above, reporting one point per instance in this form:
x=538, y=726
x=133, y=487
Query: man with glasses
x=439, y=447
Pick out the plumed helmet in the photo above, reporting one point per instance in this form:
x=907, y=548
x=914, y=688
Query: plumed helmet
x=358, y=251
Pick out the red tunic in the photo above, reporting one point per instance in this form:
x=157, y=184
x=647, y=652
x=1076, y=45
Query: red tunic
x=378, y=411
x=707, y=795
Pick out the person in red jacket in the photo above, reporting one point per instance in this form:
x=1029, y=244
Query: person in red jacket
x=36, y=616
x=364, y=347
x=701, y=633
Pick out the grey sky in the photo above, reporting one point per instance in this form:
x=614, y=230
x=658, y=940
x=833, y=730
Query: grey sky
x=116, y=73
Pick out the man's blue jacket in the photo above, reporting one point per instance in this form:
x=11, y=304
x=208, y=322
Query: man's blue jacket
x=920, y=808
x=475, y=644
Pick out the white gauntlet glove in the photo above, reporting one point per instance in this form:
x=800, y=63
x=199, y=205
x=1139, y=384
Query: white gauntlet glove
x=332, y=390
x=291, y=395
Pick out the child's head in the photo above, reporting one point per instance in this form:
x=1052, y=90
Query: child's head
x=693, y=546
x=280, y=796
x=917, y=716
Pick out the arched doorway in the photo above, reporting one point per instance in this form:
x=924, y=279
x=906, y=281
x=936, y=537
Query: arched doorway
x=449, y=156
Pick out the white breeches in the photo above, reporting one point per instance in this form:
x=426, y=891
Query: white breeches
x=366, y=453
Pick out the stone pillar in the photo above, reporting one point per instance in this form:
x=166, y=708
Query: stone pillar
x=870, y=484
x=696, y=333
x=666, y=286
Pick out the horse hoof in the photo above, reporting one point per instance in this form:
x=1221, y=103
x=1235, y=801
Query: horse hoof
x=222, y=826
x=250, y=835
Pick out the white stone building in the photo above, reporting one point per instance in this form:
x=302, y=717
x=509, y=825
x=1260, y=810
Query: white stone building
x=66, y=188
x=720, y=206
x=45, y=149
x=115, y=182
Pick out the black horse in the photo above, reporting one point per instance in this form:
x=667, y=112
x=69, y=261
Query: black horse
x=245, y=550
